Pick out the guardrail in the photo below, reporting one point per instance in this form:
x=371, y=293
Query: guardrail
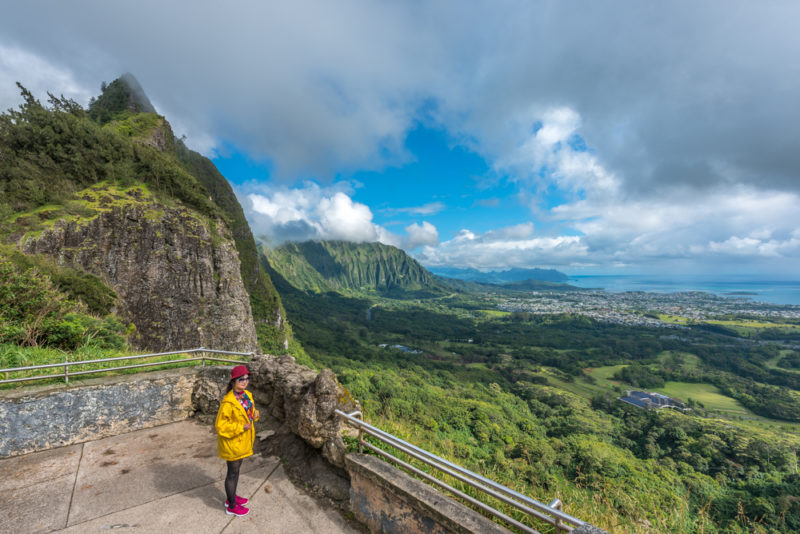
x=551, y=513
x=67, y=364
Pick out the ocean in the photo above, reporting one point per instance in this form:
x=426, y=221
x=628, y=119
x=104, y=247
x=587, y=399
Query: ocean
x=771, y=291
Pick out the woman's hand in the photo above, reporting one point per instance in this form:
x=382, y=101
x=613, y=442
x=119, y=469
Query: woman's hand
x=247, y=426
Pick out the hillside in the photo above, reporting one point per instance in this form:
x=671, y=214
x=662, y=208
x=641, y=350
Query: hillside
x=340, y=266
x=110, y=193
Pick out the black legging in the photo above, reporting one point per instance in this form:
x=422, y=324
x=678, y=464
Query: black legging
x=231, y=481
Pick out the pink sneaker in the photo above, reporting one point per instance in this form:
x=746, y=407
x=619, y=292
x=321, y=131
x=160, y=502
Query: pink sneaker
x=237, y=510
x=239, y=500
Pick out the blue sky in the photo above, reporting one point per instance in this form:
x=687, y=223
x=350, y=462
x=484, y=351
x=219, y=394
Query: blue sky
x=614, y=137
x=447, y=185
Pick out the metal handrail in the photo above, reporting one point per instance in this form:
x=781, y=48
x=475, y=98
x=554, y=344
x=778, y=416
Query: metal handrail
x=548, y=513
x=67, y=364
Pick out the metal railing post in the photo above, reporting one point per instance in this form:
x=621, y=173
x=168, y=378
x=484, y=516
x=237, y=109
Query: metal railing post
x=66, y=368
x=556, y=504
x=203, y=356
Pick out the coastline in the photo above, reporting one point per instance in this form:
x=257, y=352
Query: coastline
x=780, y=292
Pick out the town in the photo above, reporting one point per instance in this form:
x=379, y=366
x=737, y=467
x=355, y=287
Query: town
x=638, y=308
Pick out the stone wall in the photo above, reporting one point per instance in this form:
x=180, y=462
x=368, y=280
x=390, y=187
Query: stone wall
x=388, y=500
x=41, y=418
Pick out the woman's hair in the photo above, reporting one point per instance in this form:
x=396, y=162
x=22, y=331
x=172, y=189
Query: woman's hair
x=230, y=385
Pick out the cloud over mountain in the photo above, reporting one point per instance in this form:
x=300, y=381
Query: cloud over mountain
x=634, y=133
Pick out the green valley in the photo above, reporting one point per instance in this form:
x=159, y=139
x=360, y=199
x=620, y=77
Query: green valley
x=530, y=399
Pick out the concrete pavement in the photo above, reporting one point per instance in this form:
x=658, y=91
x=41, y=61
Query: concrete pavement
x=161, y=479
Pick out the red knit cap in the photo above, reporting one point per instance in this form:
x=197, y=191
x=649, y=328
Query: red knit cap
x=239, y=370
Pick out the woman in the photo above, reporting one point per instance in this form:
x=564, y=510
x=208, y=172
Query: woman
x=235, y=434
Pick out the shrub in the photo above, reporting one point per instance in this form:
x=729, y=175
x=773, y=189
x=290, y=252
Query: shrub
x=34, y=312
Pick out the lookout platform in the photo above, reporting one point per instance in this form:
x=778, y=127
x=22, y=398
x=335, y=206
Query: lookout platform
x=161, y=479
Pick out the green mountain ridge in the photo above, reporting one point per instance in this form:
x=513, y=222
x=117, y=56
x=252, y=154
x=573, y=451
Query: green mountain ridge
x=341, y=266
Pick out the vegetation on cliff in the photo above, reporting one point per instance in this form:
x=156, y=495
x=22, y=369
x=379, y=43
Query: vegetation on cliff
x=50, y=154
x=43, y=304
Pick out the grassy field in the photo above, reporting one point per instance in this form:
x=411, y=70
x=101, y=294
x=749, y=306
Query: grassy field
x=688, y=360
x=743, y=327
x=754, y=324
x=724, y=406
x=772, y=363
x=603, y=374
x=709, y=395
x=493, y=313
x=706, y=394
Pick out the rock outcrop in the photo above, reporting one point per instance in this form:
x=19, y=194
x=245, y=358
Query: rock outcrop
x=305, y=400
x=301, y=398
x=175, y=272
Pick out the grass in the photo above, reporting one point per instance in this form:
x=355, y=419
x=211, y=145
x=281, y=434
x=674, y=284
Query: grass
x=603, y=374
x=742, y=327
x=492, y=313
x=724, y=406
x=577, y=387
x=743, y=323
x=707, y=394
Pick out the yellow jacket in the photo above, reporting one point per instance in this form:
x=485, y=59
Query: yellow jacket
x=233, y=441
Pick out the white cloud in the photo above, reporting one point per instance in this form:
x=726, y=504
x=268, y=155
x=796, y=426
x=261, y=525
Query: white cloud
x=558, y=125
x=681, y=163
x=421, y=234
x=736, y=222
x=38, y=75
x=543, y=156
x=311, y=212
x=502, y=249
x=516, y=232
x=738, y=227
x=341, y=218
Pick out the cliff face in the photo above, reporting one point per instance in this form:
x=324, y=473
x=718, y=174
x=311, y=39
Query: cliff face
x=176, y=273
x=268, y=313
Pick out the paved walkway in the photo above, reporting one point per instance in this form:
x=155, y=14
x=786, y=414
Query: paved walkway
x=163, y=479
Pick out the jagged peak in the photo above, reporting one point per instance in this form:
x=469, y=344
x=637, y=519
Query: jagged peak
x=138, y=96
x=123, y=94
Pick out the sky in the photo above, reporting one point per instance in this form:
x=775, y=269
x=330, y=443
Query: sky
x=591, y=137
